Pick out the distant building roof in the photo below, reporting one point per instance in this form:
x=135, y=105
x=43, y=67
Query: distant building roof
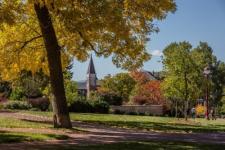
x=91, y=67
x=152, y=75
x=81, y=85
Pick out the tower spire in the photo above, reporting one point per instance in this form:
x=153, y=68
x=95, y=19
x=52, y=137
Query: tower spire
x=91, y=78
x=91, y=67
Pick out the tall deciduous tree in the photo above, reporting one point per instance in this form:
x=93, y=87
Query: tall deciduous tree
x=180, y=72
x=66, y=28
x=184, y=78
x=203, y=56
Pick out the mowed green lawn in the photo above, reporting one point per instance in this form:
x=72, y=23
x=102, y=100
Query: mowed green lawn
x=12, y=136
x=165, y=124
x=127, y=121
x=6, y=122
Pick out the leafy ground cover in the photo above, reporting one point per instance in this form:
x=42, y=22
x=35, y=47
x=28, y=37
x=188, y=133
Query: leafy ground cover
x=166, y=124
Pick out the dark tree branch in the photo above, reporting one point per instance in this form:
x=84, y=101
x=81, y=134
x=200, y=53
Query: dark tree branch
x=25, y=43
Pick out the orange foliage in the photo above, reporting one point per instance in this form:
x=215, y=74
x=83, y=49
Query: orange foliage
x=139, y=77
x=147, y=91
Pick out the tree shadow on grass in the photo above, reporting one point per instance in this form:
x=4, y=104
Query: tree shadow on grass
x=74, y=129
x=12, y=137
x=167, y=127
x=6, y=137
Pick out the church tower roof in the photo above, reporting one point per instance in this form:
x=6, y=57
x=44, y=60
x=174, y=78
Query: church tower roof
x=91, y=67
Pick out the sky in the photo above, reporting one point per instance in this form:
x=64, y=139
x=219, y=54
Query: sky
x=194, y=21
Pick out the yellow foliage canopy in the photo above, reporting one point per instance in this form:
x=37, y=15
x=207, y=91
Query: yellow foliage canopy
x=114, y=27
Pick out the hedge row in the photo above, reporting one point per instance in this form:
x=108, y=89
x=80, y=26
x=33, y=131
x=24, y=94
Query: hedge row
x=85, y=106
x=81, y=106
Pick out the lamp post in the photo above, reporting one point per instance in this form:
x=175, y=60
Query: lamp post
x=207, y=72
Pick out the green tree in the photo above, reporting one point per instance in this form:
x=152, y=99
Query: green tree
x=70, y=86
x=32, y=84
x=222, y=108
x=203, y=56
x=71, y=92
x=218, y=82
x=180, y=74
x=194, y=82
x=66, y=28
x=122, y=84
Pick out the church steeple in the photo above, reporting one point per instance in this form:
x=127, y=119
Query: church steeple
x=91, y=78
x=91, y=67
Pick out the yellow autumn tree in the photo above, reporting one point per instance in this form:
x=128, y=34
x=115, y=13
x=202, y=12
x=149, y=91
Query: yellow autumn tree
x=47, y=34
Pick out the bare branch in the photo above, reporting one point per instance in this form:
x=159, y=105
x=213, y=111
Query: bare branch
x=25, y=43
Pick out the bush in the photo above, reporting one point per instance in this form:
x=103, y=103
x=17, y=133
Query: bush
x=118, y=112
x=84, y=106
x=100, y=106
x=110, y=97
x=17, y=94
x=17, y=105
x=139, y=100
x=222, y=109
x=1, y=106
x=131, y=113
x=80, y=106
x=35, y=109
x=41, y=103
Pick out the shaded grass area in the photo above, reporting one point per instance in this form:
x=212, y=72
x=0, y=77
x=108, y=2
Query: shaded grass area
x=9, y=122
x=6, y=122
x=142, y=146
x=166, y=124
x=10, y=137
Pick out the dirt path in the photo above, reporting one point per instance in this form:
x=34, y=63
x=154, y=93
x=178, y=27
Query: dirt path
x=101, y=134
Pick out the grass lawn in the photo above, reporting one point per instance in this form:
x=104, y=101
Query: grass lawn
x=167, y=124
x=127, y=121
x=6, y=122
x=9, y=137
x=142, y=146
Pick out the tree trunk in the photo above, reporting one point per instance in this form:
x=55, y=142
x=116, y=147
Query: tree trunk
x=55, y=67
x=176, y=109
x=186, y=110
x=186, y=96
